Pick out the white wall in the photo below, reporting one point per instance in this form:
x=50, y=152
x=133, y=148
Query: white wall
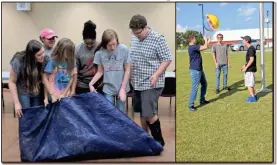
x=67, y=19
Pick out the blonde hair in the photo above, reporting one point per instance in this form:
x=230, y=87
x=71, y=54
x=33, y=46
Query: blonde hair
x=65, y=48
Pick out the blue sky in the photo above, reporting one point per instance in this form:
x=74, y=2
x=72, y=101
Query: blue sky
x=231, y=15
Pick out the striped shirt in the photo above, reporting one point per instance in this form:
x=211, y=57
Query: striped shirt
x=147, y=55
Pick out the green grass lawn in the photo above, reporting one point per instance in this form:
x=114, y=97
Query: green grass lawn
x=228, y=129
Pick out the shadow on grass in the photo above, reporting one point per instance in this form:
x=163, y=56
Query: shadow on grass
x=263, y=94
x=233, y=89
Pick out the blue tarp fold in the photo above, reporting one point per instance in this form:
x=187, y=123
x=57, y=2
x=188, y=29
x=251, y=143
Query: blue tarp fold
x=82, y=127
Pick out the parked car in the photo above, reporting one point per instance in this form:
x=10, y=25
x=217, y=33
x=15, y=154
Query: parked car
x=239, y=46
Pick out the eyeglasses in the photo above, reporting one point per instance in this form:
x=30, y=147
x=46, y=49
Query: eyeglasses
x=137, y=32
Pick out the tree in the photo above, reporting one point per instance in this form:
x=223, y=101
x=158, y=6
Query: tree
x=179, y=39
x=199, y=37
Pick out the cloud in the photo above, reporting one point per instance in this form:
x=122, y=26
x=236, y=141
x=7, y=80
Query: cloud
x=177, y=8
x=223, y=4
x=224, y=29
x=180, y=28
x=246, y=10
x=248, y=19
x=198, y=26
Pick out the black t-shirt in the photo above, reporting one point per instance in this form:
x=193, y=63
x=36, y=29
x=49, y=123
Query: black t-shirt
x=251, y=52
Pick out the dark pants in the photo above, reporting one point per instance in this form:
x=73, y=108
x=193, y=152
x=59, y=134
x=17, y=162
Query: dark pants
x=146, y=102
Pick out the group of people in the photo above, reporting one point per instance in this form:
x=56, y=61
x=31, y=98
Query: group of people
x=222, y=62
x=46, y=72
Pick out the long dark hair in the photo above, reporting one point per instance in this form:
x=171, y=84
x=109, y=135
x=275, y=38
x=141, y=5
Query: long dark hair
x=65, y=48
x=107, y=36
x=31, y=68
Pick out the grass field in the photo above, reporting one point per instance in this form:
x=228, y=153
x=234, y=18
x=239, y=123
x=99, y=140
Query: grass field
x=228, y=129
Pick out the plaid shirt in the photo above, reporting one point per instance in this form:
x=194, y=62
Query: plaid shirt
x=147, y=55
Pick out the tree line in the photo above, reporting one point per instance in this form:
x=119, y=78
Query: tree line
x=181, y=38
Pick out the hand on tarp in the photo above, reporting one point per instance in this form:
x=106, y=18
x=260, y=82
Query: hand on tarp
x=92, y=89
x=61, y=96
x=46, y=101
x=71, y=93
x=54, y=97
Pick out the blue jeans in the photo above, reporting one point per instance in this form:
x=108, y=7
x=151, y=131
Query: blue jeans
x=197, y=77
x=224, y=68
x=28, y=100
x=118, y=103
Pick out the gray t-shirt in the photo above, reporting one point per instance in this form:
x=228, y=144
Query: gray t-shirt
x=113, y=68
x=17, y=64
x=221, y=53
x=85, y=66
x=48, y=52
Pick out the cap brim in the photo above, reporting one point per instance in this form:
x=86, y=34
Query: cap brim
x=242, y=37
x=51, y=36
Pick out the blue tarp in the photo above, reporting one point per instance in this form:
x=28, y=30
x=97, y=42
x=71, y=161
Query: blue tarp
x=83, y=127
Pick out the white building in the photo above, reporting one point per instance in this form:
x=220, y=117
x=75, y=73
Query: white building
x=233, y=36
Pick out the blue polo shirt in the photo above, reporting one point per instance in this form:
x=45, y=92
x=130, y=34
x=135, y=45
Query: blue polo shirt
x=195, y=57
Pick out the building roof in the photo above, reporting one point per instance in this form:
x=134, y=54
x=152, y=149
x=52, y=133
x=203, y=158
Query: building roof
x=234, y=35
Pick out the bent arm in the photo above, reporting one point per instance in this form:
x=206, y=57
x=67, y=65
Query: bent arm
x=98, y=75
x=162, y=68
x=205, y=46
x=249, y=62
x=69, y=86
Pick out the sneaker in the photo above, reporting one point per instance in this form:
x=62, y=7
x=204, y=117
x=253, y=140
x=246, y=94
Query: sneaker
x=251, y=99
x=204, y=102
x=192, y=108
x=217, y=91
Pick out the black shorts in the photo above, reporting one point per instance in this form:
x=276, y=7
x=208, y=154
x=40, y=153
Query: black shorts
x=146, y=102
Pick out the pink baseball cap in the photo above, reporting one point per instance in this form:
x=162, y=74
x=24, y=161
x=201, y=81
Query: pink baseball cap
x=47, y=33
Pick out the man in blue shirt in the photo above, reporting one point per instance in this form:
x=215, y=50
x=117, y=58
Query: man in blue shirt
x=196, y=71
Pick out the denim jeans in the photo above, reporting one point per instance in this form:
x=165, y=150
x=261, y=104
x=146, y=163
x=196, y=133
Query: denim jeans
x=197, y=77
x=224, y=68
x=28, y=100
x=118, y=103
